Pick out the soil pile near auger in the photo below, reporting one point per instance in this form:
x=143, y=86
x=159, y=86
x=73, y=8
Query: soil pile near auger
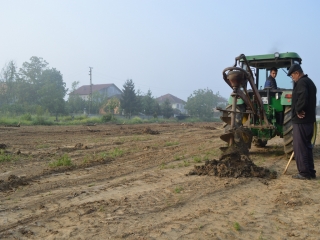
x=234, y=161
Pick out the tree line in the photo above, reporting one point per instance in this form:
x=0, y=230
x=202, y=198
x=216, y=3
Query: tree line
x=36, y=88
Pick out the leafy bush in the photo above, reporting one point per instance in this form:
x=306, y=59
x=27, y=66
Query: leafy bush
x=67, y=118
x=136, y=120
x=41, y=120
x=26, y=117
x=107, y=117
x=81, y=117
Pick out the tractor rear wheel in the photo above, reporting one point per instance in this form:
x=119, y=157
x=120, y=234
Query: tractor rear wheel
x=287, y=132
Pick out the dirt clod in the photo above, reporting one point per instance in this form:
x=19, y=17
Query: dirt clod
x=148, y=130
x=13, y=182
x=3, y=146
x=233, y=165
x=78, y=146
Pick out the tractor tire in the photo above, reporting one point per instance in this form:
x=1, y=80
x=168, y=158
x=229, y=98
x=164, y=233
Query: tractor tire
x=259, y=142
x=287, y=132
x=238, y=122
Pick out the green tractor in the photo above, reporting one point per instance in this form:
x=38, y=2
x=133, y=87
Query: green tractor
x=265, y=112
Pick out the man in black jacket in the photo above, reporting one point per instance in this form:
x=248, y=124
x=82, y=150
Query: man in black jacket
x=303, y=118
x=271, y=80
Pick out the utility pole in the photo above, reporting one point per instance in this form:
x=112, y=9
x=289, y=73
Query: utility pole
x=90, y=96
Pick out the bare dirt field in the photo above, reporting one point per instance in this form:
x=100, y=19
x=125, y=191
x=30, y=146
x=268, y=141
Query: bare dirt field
x=133, y=182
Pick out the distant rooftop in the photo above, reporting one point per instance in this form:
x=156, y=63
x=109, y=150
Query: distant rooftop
x=85, y=89
x=171, y=98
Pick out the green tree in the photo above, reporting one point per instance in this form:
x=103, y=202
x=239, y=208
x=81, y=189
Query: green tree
x=138, y=103
x=52, y=91
x=75, y=103
x=112, y=104
x=201, y=103
x=128, y=99
x=8, y=83
x=98, y=101
x=157, y=109
x=29, y=81
x=31, y=71
x=148, y=103
x=167, y=109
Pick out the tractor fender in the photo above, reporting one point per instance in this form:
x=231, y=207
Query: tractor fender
x=286, y=98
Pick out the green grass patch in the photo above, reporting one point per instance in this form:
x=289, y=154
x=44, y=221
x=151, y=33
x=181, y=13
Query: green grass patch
x=197, y=159
x=178, y=189
x=206, y=158
x=116, y=153
x=41, y=117
x=163, y=166
x=5, y=157
x=103, y=155
x=177, y=157
x=167, y=144
x=40, y=146
x=184, y=164
x=64, y=160
x=236, y=226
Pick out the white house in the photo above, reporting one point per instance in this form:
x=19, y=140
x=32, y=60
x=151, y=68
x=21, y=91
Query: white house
x=176, y=103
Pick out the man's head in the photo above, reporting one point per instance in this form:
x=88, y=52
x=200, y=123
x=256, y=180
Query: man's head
x=295, y=72
x=273, y=72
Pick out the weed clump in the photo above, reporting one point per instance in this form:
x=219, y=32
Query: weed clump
x=64, y=160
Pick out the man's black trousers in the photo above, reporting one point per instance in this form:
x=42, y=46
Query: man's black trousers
x=302, y=147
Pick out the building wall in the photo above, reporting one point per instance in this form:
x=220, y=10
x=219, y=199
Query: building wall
x=110, y=91
x=84, y=97
x=180, y=107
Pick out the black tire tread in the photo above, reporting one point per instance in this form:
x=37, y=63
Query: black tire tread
x=287, y=131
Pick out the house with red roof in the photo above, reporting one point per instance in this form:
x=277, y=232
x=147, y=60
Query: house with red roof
x=110, y=90
x=176, y=102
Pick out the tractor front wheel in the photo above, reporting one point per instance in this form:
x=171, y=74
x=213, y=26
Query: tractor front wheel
x=287, y=132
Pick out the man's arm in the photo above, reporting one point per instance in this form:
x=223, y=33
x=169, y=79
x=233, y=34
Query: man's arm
x=267, y=84
x=302, y=97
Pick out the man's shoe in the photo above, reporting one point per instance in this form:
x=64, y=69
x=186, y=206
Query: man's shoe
x=298, y=176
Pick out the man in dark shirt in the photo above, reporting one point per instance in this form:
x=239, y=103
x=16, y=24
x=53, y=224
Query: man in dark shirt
x=271, y=80
x=303, y=112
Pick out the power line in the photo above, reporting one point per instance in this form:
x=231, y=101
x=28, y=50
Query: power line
x=90, y=96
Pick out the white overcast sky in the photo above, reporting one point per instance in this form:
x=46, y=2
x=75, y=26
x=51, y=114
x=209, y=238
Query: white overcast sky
x=167, y=46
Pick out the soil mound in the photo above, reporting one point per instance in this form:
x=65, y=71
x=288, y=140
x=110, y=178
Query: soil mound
x=148, y=130
x=78, y=146
x=13, y=182
x=233, y=165
x=3, y=146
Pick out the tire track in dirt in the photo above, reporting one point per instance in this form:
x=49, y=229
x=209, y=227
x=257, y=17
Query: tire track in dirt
x=132, y=197
x=69, y=183
x=143, y=193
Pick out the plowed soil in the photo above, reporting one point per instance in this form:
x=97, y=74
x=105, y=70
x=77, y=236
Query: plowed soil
x=133, y=182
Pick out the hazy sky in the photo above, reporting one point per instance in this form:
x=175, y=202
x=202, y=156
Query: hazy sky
x=167, y=46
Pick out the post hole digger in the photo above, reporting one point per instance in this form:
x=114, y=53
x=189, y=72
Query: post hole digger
x=251, y=111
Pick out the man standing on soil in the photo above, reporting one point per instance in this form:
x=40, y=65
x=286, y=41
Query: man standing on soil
x=271, y=80
x=303, y=118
